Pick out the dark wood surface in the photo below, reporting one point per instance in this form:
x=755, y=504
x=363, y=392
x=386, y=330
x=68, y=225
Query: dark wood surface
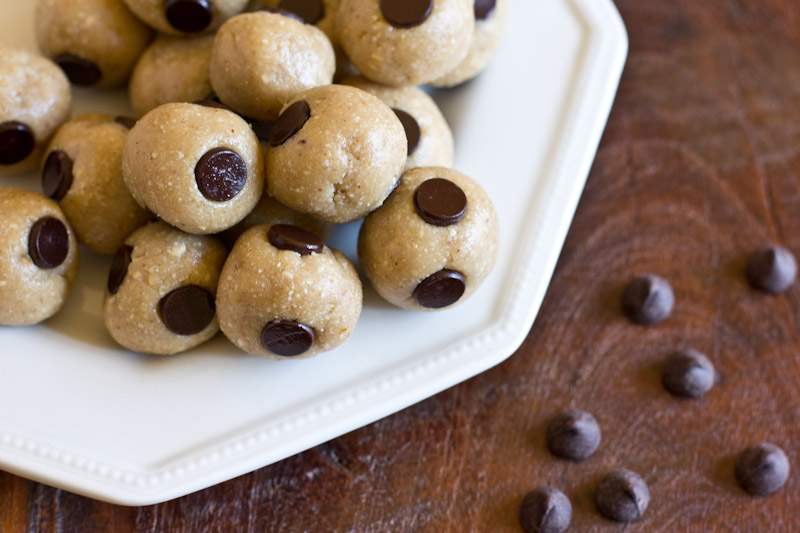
x=700, y=164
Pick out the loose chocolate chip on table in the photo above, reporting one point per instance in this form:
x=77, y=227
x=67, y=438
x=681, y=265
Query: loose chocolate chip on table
x=79, y=71
x=440, y=202
x=440, y=289
x=573, y=435
x=289, y=122
x=622, y=496
x=545, y=510
x=128, y=122
x=762, y=469
x=287, y=338
x=688, y=373
x=221, y=174
x=413, y=132
x=484, y=8
x=648, y=300
x=406, y=13
x=48, y=243
x=16, y=142
x=56, y=175
x=187, y=310
x=119, y=268
x=189, y=16
x=310, y=11
x=771, y=269
x=286, y=237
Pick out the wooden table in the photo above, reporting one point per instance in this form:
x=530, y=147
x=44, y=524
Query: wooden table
x=700, y=164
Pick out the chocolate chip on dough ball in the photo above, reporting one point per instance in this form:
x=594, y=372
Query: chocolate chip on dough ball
x=38, y=258
x=35, y=99
x=283, y=293
x=336, y=152
x=405, y=42
x=432, y=243
x=185, y=17
x=196, y=167
x=161, y=289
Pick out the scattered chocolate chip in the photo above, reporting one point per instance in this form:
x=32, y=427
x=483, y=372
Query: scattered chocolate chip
x=440, y=289
x=287, y=338
x=545, y=510
x=411, y=126
x=79, y=71
x=212, y=103
x=622, y=496
x=48, y=243
x=648, y=300
x=16, y=142
x=762, y=469
x=292, y=238
x=311, y=11
x=290, y=122
x=261, y=129
x=688, y=373
x=573, y=435
x=187, y=310
x=771, y=269
x=119, y=268
x=189, y=16
x=128, y=122
x=283, y=12
x=440, y=202
x=406, y=13
x=56, y=175
x=484, y=8
x=221, y=174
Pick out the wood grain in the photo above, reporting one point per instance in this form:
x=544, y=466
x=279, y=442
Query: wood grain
x=698, y=166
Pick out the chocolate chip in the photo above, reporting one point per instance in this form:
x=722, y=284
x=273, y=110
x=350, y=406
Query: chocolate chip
x=16, y=142
x=484, y=8
x=311, y=11
x=283, y=12
x=79, y=71
x=56, y=175
x=292, y=238
x=128, y=122
x=440, y=202
x=290, y=122
x=48, y=243
x=221, y=174
x=648, y=300
x=287, y=338
x=771, y=269
x=688, y=373
x=411, y=126
x=622, y=496
x=119, y=268
x=573, y=435
x=189, y=16
x=440, y=289
x=406, y=13
x=187, y=310
x=213, y=104
x=762, y=469
x=545, y=510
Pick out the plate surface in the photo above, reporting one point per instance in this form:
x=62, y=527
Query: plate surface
x=79, y=413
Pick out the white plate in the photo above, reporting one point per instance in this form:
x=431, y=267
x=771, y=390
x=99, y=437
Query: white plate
x=79, y=413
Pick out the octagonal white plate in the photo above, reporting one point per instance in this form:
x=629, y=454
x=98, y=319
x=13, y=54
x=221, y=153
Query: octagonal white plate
x=79, y=413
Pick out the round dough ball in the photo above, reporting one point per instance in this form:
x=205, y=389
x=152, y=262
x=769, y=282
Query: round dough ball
x=95, y=42
x=490, y=21
x=432, y=243
x=185, y=17
x=161, y=290
x=397, y=42
x=261, y=60
x=430, y=141
x=198, y=168
x=82, y=171
x=35, y=99
x=336, y=153
x=38, y=258
x=282, y=293
x=172, y=69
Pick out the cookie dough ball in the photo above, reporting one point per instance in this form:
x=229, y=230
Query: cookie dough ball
x=430, y=141
x=95, y=42
x=196, y=167
x=490, y=21
x=336, y=153
x=400, y=42
x=282, y=293
x=161, y=289
x=38, y=258
x=83, y=172
x=185, y=17
x=172, y=69
x=261, y=60
x=432, y=243
x=35, y=99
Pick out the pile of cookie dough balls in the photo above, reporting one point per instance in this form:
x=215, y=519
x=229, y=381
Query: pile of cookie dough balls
x=213, y=204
